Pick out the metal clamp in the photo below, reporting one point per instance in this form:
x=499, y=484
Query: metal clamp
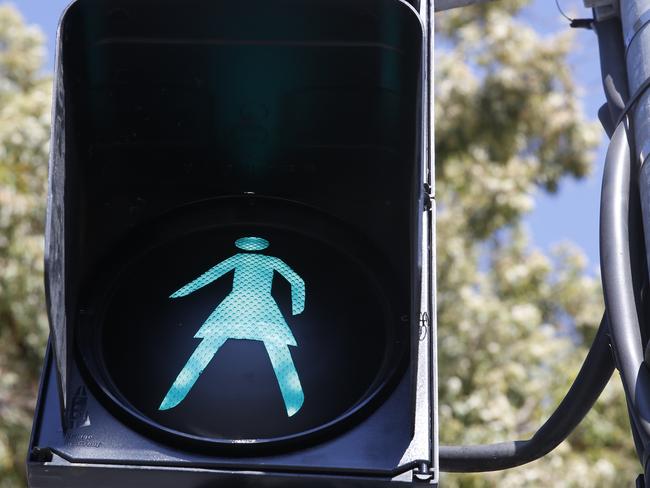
x=604, y=9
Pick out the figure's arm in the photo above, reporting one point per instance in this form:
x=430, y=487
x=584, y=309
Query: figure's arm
x=206, y=278
x=297, y=286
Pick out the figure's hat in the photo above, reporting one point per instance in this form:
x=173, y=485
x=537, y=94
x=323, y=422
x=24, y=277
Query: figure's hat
x=252, y=243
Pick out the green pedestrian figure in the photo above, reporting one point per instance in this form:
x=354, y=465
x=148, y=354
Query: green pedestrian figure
x=249, y=312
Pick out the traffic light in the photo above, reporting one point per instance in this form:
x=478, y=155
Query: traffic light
x=239, y=247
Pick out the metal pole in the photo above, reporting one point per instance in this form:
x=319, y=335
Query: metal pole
x=635, y=15
x=635, y=21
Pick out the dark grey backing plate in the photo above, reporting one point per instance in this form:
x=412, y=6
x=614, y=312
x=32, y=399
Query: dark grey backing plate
x=83, y=476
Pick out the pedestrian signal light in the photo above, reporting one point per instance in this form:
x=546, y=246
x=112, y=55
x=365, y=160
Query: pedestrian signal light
x=249, y=312
x=201, y=330
x=239, y=251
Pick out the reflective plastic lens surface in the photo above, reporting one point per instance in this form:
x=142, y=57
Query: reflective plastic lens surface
x=246, y=333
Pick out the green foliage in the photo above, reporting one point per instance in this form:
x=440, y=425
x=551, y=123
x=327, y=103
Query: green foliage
x=25, y=95
x=514, y=324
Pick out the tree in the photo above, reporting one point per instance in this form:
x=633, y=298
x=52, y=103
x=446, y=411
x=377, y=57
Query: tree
x=514, y=324
x=25, y=95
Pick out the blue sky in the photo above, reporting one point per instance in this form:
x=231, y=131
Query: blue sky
x=570, y=215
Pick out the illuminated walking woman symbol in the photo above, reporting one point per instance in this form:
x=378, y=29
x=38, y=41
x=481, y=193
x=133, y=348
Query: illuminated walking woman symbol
x=249, y=312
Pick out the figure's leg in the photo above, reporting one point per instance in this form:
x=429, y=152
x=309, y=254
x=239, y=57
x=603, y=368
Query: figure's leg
x=285, y=372
x=185, y=380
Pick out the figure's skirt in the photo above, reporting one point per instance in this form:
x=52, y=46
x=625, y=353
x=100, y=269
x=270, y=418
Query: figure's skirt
x=254, y=317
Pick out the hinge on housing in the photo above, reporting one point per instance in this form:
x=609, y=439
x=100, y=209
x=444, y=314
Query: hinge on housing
x=427, y=197
x=423, y=473
x=40, y=455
